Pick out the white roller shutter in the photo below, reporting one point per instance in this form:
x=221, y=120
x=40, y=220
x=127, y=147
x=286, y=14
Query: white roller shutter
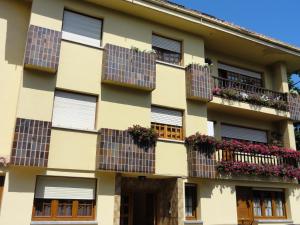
x=74, y=111
x=166, y=116
x=81, y=29
x=243, y=133
x=166, y=43
x=65, y=188
x=210, y=128
x=239, y=71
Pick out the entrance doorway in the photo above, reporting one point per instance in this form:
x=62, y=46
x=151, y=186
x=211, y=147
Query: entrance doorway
x=138, y=208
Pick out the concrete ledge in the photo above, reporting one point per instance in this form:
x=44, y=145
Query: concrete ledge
x=263, y=221
x=193, y=222
x=64, y=222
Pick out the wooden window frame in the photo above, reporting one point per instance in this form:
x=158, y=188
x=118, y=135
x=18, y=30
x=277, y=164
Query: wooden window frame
x=261, y=195
x=163, y=131
x=2, y=180
x=180, y=63
x=194, y=200
x=54, y=208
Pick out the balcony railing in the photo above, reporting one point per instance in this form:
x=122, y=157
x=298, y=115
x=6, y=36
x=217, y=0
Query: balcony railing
x=249, y=93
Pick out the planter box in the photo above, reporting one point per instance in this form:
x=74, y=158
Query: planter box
x=42, y=49
x=198, y=83
x=116, y=151
x=127, y=67
x=31, y=143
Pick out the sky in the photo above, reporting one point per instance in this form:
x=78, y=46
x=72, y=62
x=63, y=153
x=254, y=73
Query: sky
x=278, y=19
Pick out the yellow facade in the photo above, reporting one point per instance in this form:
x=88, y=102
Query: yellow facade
x=29, y=94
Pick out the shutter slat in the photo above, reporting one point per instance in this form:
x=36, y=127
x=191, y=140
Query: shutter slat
x=82, y=29
x=243, y=133
x=74, y=110
x=65, y=188
x=239, y=70
x=166, y=116
x=165, y=43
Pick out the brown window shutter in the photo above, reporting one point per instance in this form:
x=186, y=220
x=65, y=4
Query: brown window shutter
x=244, y=205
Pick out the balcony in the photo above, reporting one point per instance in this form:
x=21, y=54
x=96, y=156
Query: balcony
x=129, y=67
x=116, y=151
x=234, y=90
x=237, y=159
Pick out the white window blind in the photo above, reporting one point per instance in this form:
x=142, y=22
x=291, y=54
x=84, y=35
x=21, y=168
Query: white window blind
x=243, y=133
x=166, y=43
x=239, y=71
x=74, y=110
x=210, y=128
x=166, y=116
x=81, y=29
x=65, y=188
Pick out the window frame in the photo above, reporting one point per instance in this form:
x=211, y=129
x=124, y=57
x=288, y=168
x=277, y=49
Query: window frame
x=2, y=181
x=194, y=200
x=181, y=62
x=54, y=210
x=87, y=15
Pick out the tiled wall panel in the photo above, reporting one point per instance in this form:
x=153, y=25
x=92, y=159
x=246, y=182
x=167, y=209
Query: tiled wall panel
x=294, y=107
x=198, y=83
x=42, y=49
x=31, y=143
x=128, y=67
x=116, y=151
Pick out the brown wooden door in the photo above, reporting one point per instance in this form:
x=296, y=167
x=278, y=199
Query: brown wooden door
x=244, y=206
x=1, y=187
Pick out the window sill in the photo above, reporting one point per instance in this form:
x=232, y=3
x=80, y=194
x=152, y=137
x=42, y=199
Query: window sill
x=193, y=222
x=64, y=222
x=170, y=64
x=74, y=129
x=269, y=221
x=170, y=140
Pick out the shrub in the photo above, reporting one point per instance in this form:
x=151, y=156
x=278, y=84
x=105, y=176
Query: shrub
x=143, y=137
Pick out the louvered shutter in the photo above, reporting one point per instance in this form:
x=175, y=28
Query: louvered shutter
x=81, y=29
x=166, y=43
x=74, y=111
x=243, y=133
x=210, y=128
x=166, y=116
x=239, y=71
x=65, y=188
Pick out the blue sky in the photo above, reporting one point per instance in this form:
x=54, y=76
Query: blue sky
x=275, y=18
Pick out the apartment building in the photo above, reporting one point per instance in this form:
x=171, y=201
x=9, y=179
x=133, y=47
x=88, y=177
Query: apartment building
x=75, y=75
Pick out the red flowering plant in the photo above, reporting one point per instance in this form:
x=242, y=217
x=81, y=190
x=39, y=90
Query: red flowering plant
x=245, y=168
x=143, y=137
x=201, y=142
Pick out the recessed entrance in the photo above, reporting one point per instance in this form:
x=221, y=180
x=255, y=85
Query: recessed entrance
x=138, y=208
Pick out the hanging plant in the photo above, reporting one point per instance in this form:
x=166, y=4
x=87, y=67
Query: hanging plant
x=143, y=137
x=200, y=142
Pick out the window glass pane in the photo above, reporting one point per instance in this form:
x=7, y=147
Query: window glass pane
x=64, y=208
x=42, y=207
x=279, y=205
x=190, y=200
x=257, y=206
x=268, y=204
x=85, y=208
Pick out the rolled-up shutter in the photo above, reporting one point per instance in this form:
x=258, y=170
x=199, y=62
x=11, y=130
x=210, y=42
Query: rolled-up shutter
x=210, y=128
x=239, y=70
x=166, y=43
x=65, y=188
x=166, y=116
x=82, y=29
x=74, y=110
x=242, y=133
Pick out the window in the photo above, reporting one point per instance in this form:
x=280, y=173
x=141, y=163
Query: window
x=240, y=75
x=81, y=29
x=167, y=123
x=211, y=128
x=191, y=201
x=266, y=204
x=243, y=134
x=1, y=187
x=58, y=198
x=72, y=110
x=167, y=50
